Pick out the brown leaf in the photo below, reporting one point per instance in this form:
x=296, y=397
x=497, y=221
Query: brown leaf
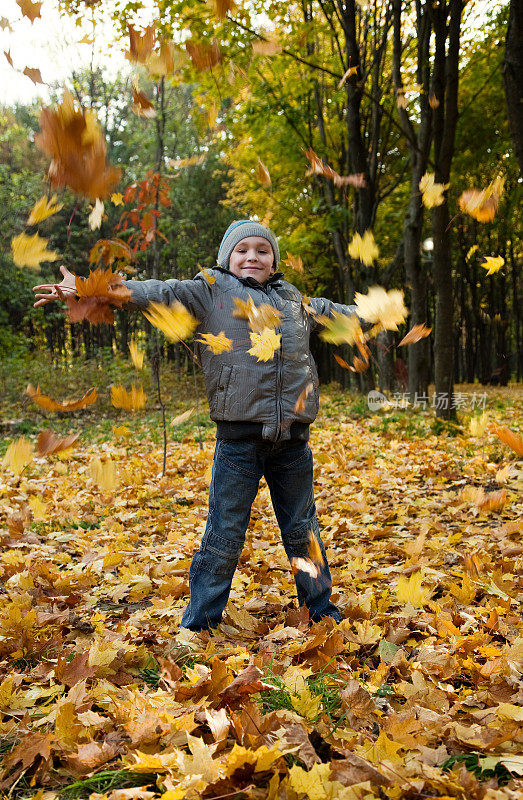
x=110, y=250
x=7, y=54
x=358, y=704
x=318, y=167
x=266, y=47
x=49, y=404
x=142, y=106
x=34, y=74
x=296, y=736
x=29, y=749
x=246, y=683
x=72, y=672
x=140, y=44
x=353, y=769
x=49, y=443
x=204, y=56
x=91, y=755
x=29, y=9
x=415, y=334
x=223, y=7
x=263, y=175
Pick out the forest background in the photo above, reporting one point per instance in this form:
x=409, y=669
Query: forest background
x=213, y=120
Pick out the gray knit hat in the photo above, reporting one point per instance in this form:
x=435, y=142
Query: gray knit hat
x=240, y=230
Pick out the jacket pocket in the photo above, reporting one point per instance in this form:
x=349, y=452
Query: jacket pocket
x=220, y=394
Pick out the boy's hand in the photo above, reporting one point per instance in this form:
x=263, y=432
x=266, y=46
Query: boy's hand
x=56, y=291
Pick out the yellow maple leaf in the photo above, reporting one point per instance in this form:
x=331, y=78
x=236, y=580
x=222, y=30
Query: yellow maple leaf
x=482, y=204
x=44, y=208
x=174, y=321
x=306, y=704
x=137, y=355
x=29, y=251
x=340, y=328
x=259, y=317
x=18, y=455
x=264, y=344
x=103, y=473
x=217, y=344
x=364, y=248
x=38, y=508
x=101, y=654
x=493, y=264
x=117, y=199
x=432, y=192
x=315, y=783
x=209, y=277
x=130, y=401
x=201, y=761
x=6, y=692
x=409, y=589
x=383, y=308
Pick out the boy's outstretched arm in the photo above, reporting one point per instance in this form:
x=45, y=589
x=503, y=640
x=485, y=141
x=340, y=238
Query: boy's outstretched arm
x=324, y=307
x=195, y=294
x=55, y=291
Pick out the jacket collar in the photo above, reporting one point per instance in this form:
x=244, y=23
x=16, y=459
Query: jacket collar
x=273, y=280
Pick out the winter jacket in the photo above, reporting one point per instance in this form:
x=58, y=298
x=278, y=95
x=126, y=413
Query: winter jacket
x=239, y=388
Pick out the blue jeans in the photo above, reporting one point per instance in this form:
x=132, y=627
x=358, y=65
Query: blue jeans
x=237, y=469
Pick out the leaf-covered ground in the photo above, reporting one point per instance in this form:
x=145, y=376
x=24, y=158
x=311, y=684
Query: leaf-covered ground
x=418, y=693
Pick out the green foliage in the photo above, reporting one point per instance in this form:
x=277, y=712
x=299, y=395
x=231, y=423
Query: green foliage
x=483, y=767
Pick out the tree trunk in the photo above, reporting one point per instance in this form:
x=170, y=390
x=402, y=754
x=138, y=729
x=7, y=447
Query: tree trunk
x=513, y=77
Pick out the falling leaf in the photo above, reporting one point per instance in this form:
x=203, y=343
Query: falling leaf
x=33, y=74
x=482, y=204
x=341, y=361
x=295, y=263
x=364, y=248
x=433, y=101
x=167, y=60
x=409, y=590
x=43, y=209
x=223, y=7
x=217, y=344
x=401, y=100
x=175, y=322
x=304, y=565
x=300, y=402
x=95, y=217
x=415, y=334
x=351, y=71
x=266, y=47
x=208, y=277
x=474, y=249
x=491, y=501
x=203, y=55
x=314, y=550
x=110, y=250
x=129, y=401
x=432, y=193
x=142, y=106
x=103, y=474
x=140, y=44
x=477, y=425
x=30, y=251
x=5, y=24
x=49, y=404
x=73, y=139
x=493, y=264
x=137, y=355
x=259, y=317
x=381, y=307
x=29, y=9
x=263, y=175
x=18, y=455
x=117, y=199
x=318, y=167
x=97, y=295
x=181, y=418
x=177, y=163
x=50, y=443
x=7, y=54
x=514, y=440
x=340, y=328
x=264, y=344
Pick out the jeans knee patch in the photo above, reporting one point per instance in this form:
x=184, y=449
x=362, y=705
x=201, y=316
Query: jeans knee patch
x=215, y=564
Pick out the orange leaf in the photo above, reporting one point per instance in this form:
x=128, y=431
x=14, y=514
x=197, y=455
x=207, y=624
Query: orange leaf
x=7, y=54
x=109, y=250
x=491, y=501
x=49, y=404
x=341, y=361
x=49, y=443
x=263, y=174
x=295, y=263
x=415, y=334
x=140, y=44
x=29, y=9
x=34, y=74
x=350, y=71
x=318, y=167
x=514, y=440
x=142, y=106
x=300, y=402
x=204, y=56
x=223, y=7
x=482, y=204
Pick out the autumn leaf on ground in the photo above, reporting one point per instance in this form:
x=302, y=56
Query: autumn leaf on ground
x=73, y=139
x=351, y=71
x=49, y=404
x=137, y=355
x=29, y=9
x=259, y=317
x=18, y=454
x=175, y=322
x=432, y=193
x=217, y=344
x=482, y=204
x=514, y=440
x=340, y=328
x=140, y=44
x=264, y=344
x=383, y=308
x=142, y=106
x=95, y=217
x=129, y=401
x=364, y=248
x=493, y=264
x=49, y=443
x=34, y=74
x=295, y=263
x=30, y=251
x=409, y=590
x=300, y=402
x=203, y=55
x=263, y=174
x=43, y=209
x=415, y=334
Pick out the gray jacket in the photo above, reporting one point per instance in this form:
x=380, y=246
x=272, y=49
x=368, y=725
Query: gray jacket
x=239, y=388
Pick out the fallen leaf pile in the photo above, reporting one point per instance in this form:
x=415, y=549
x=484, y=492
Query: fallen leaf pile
x=417, y=693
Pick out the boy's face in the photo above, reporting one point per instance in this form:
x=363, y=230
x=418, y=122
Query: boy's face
x=252, y=258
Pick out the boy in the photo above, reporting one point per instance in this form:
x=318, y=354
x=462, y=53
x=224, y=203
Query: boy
x=261, y=427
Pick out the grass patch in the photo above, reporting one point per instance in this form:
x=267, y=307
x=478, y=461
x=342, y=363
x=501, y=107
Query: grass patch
x=105, y=781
